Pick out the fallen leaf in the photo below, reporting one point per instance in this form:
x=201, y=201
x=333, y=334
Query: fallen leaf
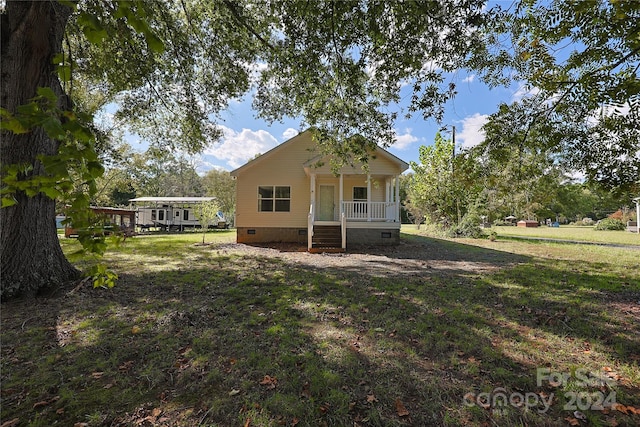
x=305, y=391
x=136, y=330
x=620, y=408
x=40, y=404
x=97, y=375
x=156, y=412
x=45, y=402
x=234, y=392
x=125, y=366
x=401, y=409
x=324, y=408
x=81, y=425
x=247, y=423
x=269, y=381
x=11, y=423
x=372, y=398
x=579, y=415
x=60, y=411
x=295, y=421
x=572, y=421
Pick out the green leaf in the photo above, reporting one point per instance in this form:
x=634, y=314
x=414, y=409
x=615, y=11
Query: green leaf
x=47, y=93
x=95, y=169
x=154, y=42
x=64, y=73
x=14, y=126
x=8, y=201
x=53, y=127
x=69, y=3
x=51, y=192
x=92, y=28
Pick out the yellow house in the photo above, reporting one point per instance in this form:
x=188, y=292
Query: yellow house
x=290, y=194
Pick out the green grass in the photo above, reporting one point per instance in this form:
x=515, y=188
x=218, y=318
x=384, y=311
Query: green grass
x=209, y=335
x=587, y=234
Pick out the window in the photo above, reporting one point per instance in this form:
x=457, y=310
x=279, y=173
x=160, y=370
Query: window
x=186, y=215
x=161, y=215
x=359, y=194
x=274, y=199
x=153, y=215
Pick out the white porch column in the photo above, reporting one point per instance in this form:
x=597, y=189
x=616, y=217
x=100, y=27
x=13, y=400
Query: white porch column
x=312, y=190
x=341, y=190
x=312, y=211
x=397, y=198
x=387, y=190
x=368, y=197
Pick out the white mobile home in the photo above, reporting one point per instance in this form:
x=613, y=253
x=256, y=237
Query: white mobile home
x=171, y=213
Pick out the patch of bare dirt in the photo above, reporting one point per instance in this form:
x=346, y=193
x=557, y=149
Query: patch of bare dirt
x=407, y=258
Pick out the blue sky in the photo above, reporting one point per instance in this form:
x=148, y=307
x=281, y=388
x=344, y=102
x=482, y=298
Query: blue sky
x=245, y=135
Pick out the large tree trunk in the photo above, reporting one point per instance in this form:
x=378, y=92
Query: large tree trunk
x=30, y=253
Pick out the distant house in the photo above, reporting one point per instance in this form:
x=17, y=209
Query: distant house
x=290, y=194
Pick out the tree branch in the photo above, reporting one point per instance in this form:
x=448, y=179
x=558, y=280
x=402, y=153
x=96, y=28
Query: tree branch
x=242, y=21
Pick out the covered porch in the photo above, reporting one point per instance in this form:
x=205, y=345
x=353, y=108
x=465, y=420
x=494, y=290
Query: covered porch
x=362, y=208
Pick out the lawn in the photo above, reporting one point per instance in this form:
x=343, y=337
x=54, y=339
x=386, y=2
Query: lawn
x=588, y=234
x=434, y=332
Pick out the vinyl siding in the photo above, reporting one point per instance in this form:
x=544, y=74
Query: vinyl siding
x=283, y=166
x=381, y=165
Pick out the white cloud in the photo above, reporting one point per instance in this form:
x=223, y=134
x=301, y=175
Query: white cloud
x=405, y=140
x=236, y=148
x=469, y=79
x=471, y=133
x=524, y=91
x=289, y=133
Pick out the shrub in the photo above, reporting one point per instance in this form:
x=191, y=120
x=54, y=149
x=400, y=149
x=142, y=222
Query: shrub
x=468, y=227
x=587, y=221
x=610, y=224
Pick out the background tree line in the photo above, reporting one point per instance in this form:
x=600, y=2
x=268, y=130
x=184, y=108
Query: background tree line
x=458, y=192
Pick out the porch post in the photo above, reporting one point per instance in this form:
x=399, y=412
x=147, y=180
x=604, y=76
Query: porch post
x=368, y=197
x=341, y=195
x=397, y=198
x=312, y=212
x=387, y=184
x=313, y=192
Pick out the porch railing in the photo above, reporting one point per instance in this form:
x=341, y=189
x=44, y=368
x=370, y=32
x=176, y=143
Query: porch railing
x=371, y=211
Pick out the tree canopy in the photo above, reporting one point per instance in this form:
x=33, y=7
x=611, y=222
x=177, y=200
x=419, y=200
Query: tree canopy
x=580, y=62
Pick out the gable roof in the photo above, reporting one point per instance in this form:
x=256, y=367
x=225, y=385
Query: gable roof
x=379, y=151
x=268, y=154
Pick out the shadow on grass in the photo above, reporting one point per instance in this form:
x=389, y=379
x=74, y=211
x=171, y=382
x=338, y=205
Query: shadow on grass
x=264, y=339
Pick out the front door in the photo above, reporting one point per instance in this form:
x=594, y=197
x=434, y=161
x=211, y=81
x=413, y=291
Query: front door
x=325, y=210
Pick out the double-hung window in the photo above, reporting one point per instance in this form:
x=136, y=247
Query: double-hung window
x=274, y=198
